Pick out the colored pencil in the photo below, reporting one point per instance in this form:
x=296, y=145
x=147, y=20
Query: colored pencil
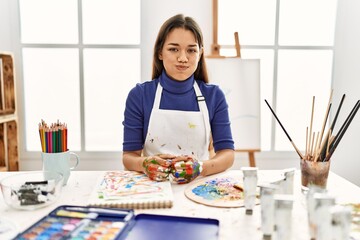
x=53, y=138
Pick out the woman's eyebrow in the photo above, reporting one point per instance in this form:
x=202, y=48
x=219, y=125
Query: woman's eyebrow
x=176, y=44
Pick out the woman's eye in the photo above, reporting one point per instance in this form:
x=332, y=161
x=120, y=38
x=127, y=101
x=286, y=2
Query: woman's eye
x=173, y=49
x=192, y=50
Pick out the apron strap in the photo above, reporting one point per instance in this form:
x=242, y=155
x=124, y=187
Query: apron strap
x=157, y=96
x=202, y=105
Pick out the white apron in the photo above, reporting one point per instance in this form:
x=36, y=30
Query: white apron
x=178, y=132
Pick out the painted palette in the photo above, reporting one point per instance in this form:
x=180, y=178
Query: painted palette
x=217, y=192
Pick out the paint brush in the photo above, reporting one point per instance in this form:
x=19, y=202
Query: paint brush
x=325, y=146
x=342, y=130
x=319, y=146
x=296, y=149
x=311, y=123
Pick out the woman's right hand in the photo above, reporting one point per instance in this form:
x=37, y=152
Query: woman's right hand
x=158, y=167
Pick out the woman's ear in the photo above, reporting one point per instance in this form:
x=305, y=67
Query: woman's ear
x=160, y=56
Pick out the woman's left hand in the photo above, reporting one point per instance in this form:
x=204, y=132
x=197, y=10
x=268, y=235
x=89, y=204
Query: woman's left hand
x=185, y=169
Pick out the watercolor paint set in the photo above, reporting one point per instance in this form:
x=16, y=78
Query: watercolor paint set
x=79, y=222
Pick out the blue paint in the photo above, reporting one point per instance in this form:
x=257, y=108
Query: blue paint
x=213, y=189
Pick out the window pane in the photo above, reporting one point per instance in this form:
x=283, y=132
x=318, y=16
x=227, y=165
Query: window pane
x=111, y=21
x=307, y=22
x=51, y=83
x=109, y=74
x=301, y=75
x=253, y=20
x=49, y=21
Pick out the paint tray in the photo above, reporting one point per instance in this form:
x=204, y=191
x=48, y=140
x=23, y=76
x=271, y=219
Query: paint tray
x=81, y=222
x=149, y=226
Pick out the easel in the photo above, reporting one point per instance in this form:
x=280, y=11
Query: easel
x=215, y=53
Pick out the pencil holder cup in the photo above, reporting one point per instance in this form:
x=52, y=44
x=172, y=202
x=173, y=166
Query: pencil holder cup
x=60, y=162
x=314, y=173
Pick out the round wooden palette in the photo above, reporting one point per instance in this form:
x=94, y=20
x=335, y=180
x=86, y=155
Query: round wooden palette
x=218, y=192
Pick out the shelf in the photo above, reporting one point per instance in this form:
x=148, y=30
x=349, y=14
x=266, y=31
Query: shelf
x=9, y=156
x=7, y=118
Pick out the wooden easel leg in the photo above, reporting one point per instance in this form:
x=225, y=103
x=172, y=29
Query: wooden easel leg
x=252, y=159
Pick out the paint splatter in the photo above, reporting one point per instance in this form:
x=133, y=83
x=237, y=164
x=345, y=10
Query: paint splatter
x=218, y=189
x=191, y=125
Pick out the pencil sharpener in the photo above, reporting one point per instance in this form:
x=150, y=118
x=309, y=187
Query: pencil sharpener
x=31, y=190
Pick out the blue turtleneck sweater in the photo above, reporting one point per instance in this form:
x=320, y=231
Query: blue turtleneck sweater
x=176, y=95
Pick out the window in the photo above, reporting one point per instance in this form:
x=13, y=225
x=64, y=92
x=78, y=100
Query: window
x=294, y=42
x=80, y=59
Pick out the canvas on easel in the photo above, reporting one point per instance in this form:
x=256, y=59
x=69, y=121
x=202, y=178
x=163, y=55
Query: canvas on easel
x=240, y=81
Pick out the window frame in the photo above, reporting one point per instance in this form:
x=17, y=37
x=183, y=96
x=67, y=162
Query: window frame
x=83, y=153
x=276, y=47
x=267, y=156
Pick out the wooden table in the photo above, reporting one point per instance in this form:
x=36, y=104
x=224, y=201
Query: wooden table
x=234, y=223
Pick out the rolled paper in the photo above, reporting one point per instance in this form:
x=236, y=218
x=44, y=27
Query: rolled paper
x=341, y=222
x=310, y=202
x=323, y=204
x=283, y=205
x=250, y=183
x=267, y=192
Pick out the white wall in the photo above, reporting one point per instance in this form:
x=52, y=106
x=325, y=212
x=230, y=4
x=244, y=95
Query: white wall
x=155, y=12
x=346, y=160
x=5, y=26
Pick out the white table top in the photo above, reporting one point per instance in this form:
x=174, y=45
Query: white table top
x=233, y=221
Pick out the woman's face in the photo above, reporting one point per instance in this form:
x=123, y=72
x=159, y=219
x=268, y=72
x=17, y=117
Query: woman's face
x=180, y=54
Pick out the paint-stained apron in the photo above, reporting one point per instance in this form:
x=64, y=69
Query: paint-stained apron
x=178, y=132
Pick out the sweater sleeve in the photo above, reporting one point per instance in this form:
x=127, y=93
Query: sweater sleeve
x=133, y=120
x=219, y=120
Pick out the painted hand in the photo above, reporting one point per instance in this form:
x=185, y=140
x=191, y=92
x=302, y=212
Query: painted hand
x=157, y=168
x=184, y=169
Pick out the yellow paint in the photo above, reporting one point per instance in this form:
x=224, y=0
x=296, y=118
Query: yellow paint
x=191, y=125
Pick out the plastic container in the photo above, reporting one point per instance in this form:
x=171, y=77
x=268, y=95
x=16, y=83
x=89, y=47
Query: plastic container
x=31, y=190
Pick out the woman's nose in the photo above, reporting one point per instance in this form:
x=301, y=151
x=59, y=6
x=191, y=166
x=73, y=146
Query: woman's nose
x=182, y=57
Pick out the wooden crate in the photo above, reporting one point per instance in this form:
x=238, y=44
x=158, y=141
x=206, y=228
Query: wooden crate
x=7, y=84
x=3, y=157
x=9, y=157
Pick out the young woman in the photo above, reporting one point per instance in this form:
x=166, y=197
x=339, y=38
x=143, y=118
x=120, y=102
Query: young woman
x=170, y=120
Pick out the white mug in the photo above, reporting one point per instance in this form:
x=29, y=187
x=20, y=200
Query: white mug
x=59, y=162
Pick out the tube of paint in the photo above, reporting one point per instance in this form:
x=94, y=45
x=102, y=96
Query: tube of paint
x=341, y=222
x=283, y=205
x=288, y=183
x=250, y=182
x=310, y=202
x=267, y=192
x=323, y=203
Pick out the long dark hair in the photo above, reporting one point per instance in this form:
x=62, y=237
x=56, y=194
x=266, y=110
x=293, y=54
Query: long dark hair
x=188, y=23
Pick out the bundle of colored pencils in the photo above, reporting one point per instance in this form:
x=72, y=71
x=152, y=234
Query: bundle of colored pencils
x=322, y=148
x=53, y=138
